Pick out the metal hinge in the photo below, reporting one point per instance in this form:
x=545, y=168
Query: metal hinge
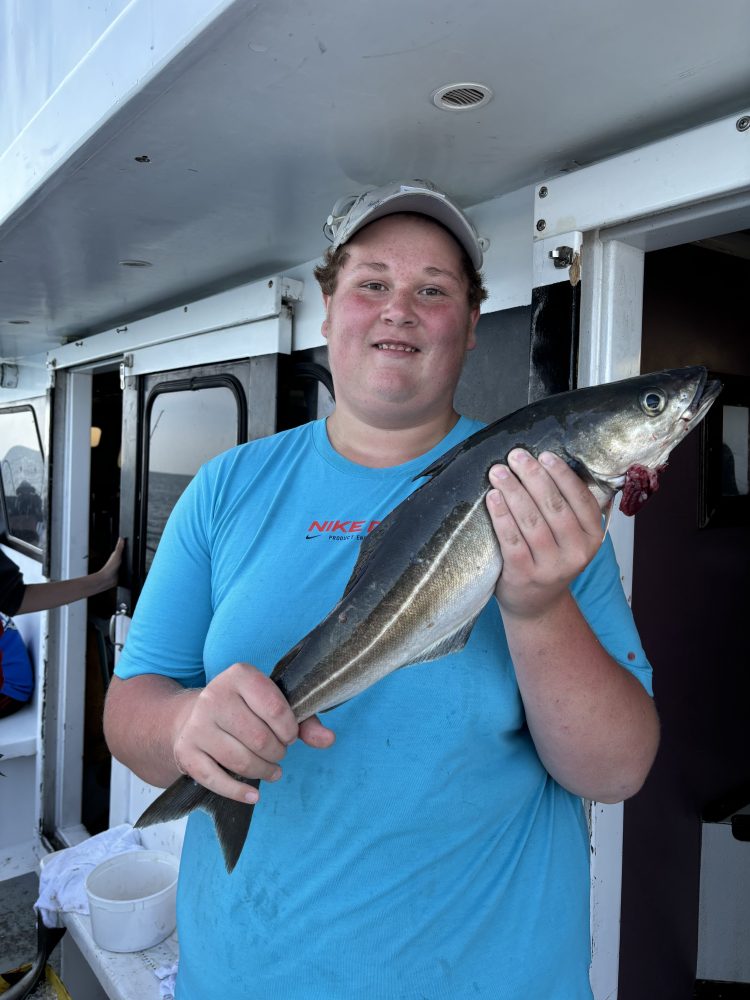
x=125, y=364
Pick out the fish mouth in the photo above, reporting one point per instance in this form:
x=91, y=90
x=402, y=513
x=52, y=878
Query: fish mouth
x=705, y=395
x=703, y=399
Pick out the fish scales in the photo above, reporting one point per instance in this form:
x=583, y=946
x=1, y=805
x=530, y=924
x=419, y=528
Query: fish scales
x=377, y=627
x=426, y=572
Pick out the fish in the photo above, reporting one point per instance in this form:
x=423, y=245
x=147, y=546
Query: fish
x=425, y=573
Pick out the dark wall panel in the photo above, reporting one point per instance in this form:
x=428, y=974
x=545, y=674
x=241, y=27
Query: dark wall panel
x=495, y=379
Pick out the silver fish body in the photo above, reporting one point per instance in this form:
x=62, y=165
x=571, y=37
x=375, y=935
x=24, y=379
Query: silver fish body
x=426, y=572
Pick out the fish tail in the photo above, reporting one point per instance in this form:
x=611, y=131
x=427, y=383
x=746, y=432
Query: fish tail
x=231, y=818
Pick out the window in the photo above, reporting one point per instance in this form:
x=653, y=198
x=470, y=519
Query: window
x=734, y=450
x=185, y=428
x=22, y=476
x=724, y=484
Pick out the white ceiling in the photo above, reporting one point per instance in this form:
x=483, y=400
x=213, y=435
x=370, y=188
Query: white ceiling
x=254, y=130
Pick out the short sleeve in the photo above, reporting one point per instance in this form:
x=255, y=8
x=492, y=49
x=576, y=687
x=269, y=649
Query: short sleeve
x=599, y=594
x=174, y=610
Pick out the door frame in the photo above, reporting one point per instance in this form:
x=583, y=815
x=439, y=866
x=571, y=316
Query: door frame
x=249, y=322
x=609, y=349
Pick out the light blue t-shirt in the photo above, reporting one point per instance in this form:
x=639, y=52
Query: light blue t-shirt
x=427, y=854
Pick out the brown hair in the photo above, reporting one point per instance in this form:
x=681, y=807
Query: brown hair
x=333, y=260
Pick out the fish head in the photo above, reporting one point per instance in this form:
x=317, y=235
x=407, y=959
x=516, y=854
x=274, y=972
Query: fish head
x=626, y=431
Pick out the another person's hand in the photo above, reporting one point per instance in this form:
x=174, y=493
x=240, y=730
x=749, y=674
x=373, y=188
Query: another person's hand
x=549, y=527
x=109, y=572
x=240, y=723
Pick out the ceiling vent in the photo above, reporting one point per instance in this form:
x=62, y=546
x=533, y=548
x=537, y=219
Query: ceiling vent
x=461, y=96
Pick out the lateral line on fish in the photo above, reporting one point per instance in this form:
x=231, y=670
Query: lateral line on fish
x=402, y=608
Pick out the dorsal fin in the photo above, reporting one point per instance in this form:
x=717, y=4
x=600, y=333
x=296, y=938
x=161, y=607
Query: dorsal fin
x=440, y=463
x=286, y=659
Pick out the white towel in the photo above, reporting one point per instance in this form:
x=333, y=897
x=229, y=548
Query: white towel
x=167, y=974
x=61, y=882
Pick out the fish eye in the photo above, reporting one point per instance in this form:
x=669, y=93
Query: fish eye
x=653, y=401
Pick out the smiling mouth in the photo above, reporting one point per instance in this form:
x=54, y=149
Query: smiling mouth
x=403, y=348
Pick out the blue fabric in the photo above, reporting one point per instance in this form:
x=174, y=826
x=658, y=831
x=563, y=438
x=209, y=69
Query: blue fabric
x=427, y=853
x=16, y=672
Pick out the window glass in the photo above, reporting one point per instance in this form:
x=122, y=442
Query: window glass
x=185, y=429
x=734, y=448
x=22, y=475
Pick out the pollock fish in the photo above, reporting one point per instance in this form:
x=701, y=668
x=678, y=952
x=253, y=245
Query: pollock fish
x=423, y=576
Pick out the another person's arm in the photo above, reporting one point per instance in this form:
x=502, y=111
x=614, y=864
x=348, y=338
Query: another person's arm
x=55, y=593
x=593, y=724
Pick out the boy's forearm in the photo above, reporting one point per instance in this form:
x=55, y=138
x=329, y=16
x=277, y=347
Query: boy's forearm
x=141, y=718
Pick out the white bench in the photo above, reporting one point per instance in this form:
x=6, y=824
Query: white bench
x=18, y=733
x=18, y=805
x=90, y=973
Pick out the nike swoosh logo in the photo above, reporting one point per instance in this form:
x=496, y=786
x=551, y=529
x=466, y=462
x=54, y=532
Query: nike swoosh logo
x=312, y=536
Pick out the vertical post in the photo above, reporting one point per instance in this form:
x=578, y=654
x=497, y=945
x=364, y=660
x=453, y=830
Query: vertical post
x=609, y=349
x=66, y=677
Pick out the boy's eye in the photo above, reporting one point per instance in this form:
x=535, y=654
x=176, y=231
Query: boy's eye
x=432, y=291
x=373, y=285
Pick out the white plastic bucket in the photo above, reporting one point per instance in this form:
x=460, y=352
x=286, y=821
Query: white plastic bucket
x=132, y=900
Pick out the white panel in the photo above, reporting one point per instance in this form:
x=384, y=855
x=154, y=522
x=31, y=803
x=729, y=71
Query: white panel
x=230, y=310
x=506, y=221
x=609, y=349
x=129, y=795
x=21, y=734
x=724, y=910
x=270, y=336
x=72, y=545
x=40, y=46
x=611, y=311
x=23, y=381
x=119, y=976
x=698, y=165
x=143, y=39
x=610, y=344
x=606, y=884
x=309, y=313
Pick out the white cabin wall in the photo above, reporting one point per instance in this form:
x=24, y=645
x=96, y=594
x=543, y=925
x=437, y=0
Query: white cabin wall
x=20, y=744
x=41, y=45
x=89, y=66
x=23, y=381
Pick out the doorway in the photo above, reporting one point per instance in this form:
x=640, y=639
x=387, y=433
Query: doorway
x=691, y=585
x=104, y=529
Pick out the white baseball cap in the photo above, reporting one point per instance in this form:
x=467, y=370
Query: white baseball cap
x=354, y=211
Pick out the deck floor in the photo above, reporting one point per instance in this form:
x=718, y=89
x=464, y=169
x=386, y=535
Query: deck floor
x=18, y=929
